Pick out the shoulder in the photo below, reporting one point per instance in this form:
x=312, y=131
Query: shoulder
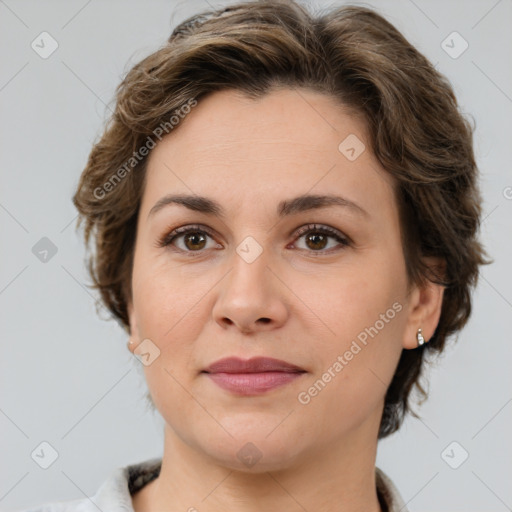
x=79, y=505
x=389, y=493
x=114, y=495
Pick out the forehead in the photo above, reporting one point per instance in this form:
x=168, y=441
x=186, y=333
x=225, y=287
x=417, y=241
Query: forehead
x=288, y=141
x=293, y=116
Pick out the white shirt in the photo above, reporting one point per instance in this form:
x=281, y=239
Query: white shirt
x=115, y=494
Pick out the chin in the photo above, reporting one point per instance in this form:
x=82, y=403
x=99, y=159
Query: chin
x=254, y=452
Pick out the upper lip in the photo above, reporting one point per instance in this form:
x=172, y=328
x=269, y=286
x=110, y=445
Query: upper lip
x=253, y=365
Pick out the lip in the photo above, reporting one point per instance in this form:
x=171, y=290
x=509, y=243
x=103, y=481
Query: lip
x=252, y=376
x=253, y=365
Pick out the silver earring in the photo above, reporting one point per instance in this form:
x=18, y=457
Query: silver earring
x=420, y=338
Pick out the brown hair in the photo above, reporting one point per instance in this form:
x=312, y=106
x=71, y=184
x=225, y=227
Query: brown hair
x=353, y=55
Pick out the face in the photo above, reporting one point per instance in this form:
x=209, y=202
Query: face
x=319, y=285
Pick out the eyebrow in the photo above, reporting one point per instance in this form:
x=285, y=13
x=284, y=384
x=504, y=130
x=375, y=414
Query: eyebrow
x=287, y=207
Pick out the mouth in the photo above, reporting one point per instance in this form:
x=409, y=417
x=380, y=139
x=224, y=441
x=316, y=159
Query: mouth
x=252, y=376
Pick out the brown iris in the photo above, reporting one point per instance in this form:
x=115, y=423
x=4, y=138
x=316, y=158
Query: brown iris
x=316, y=238
x=197, y=240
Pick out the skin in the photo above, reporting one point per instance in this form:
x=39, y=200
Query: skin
x=292, y=303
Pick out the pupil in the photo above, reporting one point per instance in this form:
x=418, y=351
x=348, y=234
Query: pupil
x=320, y=237
x=194, y=238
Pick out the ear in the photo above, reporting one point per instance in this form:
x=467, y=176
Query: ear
x=134, y=339
x=425, y=305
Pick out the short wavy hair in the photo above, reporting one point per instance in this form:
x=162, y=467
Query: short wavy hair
x=353, y=55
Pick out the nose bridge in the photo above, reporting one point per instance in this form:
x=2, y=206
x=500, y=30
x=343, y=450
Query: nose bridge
x=249, y=267
x=250, y=296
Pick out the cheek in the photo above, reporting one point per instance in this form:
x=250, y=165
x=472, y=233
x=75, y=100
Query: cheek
x=365, y=292
x=364, y=313
x=354, y=367
x=160, y=295
x=167, y=308
x=170, y=311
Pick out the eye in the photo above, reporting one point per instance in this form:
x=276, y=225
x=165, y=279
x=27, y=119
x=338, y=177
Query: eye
x=194, y=238
x=317, y=237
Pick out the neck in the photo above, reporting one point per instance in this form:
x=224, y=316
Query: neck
x=337, y=477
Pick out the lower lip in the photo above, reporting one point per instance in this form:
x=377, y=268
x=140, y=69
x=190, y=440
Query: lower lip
x=252, y=383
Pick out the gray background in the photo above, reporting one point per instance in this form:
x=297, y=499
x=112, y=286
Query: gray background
x=66, y=375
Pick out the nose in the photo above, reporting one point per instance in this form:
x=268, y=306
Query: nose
x=252, y=297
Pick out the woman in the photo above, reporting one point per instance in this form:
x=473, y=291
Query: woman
x=284, y=211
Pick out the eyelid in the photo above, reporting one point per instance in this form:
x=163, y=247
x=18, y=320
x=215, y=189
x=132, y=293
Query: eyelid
x=169, y=237
x=335, y=233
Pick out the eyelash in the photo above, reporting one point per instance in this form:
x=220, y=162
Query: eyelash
x=169, y=238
